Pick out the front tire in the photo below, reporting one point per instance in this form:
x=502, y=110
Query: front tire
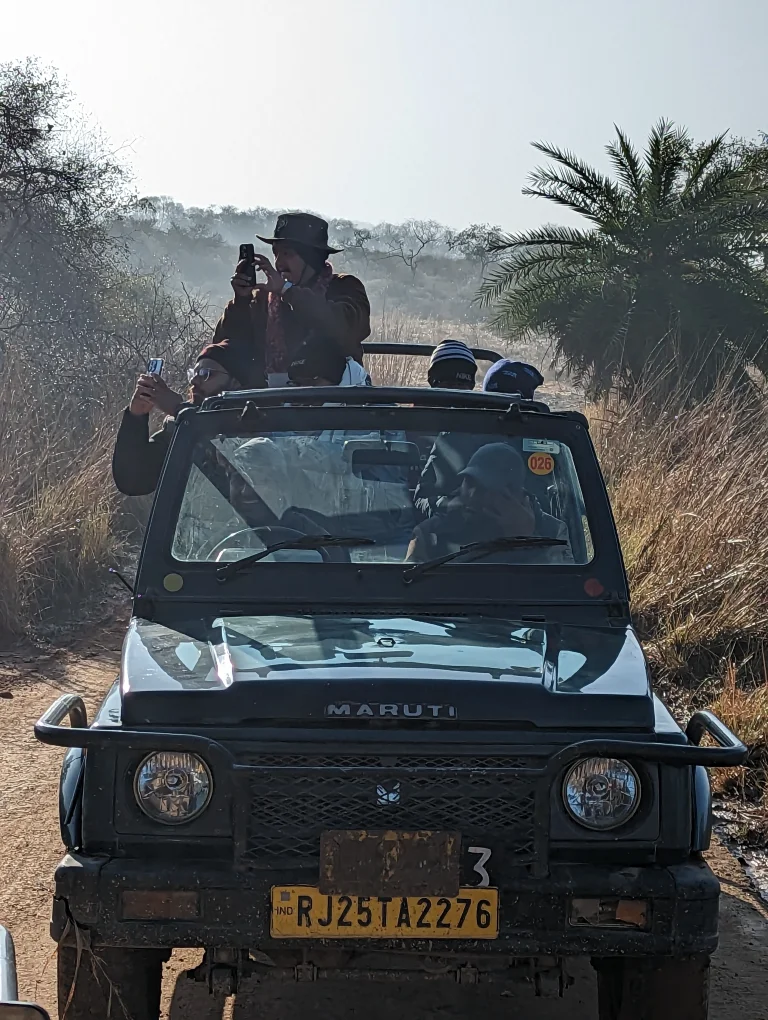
x=109, y=984
x=653, y=988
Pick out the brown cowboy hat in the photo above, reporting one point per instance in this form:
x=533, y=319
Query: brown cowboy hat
x=302, y=228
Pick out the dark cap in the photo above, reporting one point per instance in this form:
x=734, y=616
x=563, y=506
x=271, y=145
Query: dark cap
x=236, y=362
x=495, y=466
x=507, y=376
x=452, y=361
x=302, y=228
x=317, y=358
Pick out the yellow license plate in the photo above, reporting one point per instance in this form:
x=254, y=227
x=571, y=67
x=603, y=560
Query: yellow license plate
x=303, y=912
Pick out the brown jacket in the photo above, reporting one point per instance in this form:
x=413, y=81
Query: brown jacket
x=342, y=313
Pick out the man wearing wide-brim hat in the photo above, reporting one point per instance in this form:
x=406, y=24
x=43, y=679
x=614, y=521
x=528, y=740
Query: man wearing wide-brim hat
x=302, y=296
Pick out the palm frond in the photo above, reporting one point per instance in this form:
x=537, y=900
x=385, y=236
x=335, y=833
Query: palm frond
x=720, y=184
x=571, y=189
x=703, y=162
x=591, y=178
x=665, y=159
x=548, y=234
x=626, y=163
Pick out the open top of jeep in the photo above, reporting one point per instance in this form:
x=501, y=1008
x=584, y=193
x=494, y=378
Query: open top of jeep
x=362, y=723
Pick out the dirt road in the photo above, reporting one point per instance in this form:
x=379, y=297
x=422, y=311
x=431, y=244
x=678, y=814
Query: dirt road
x=28, y=816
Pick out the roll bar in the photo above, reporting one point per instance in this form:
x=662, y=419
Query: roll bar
x=423, y=350
x=417, y=396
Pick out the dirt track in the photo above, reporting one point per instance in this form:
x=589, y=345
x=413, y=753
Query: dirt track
x=28, y=815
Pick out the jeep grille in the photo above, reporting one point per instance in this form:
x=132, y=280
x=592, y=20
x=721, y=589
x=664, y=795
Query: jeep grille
x=292, y=799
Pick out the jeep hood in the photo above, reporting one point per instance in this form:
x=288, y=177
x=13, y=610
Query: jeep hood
x=349, y=671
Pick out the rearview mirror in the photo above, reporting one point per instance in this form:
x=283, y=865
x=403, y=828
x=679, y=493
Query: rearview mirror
x=392, y=458
x=22, y=1011
x=353, y=447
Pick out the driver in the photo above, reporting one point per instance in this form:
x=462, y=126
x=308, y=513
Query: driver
x=491, y=503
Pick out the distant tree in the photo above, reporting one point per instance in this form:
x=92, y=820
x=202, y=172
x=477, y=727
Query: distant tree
x=353, y=239
x=59, y=189
x=49, y=176
x=409, y=241
x=477, y=242
x=666, y=275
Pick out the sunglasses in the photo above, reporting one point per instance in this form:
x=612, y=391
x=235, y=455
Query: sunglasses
x=204, y=373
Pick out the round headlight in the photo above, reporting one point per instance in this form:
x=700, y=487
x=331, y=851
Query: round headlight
x=173, y=787
x=601, y=793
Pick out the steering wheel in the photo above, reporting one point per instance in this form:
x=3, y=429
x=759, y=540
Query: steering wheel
x=273, y=533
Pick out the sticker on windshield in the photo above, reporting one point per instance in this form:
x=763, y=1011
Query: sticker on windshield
x=541, y=463
x=541, y=446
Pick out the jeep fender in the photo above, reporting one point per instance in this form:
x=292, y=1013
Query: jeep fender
x=701, y=820
x=71, y=798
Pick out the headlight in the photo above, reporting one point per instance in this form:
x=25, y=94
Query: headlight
x=173, y=787
x=601, y=793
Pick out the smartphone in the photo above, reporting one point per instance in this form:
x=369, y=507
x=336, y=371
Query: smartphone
x=247, y=255
x=155, y=366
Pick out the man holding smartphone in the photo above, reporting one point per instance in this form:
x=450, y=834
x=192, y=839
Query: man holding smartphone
x=302, y=297
x=138, y=456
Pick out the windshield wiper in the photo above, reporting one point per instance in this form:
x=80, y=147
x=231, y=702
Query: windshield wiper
x=476, y=550
x=306, y=542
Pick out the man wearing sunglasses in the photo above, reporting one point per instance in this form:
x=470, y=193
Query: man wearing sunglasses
x=138, y=457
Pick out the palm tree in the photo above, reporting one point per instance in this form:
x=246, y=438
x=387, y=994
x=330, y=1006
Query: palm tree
x=667, y=277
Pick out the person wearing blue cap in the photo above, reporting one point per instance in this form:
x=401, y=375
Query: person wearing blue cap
x=492, y=502
x=507, y=376
x=451, y=451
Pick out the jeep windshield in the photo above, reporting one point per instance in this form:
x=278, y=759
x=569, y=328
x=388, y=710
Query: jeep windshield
x=384, y=496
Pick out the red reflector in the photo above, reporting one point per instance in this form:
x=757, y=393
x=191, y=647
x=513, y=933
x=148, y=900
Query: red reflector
x=593, y=588
x=161, y=905
x=596, y=913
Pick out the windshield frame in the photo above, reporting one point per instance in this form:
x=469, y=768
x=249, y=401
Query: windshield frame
x=303, y=584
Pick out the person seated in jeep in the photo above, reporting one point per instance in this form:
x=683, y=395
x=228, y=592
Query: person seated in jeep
x=451, y=451
x=492, y=502
x=508, y=376
x=452, y=366
x=302, y=297
x=138, y=456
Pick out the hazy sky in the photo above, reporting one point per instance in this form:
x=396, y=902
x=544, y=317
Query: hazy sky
x=386, y=109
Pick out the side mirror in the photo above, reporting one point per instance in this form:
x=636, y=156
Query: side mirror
x=22, y=1011
x=8, y=990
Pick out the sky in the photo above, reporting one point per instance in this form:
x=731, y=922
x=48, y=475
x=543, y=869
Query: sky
x=390, y=109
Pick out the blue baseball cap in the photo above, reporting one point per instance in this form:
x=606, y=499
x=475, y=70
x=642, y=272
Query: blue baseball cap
x=507, y=376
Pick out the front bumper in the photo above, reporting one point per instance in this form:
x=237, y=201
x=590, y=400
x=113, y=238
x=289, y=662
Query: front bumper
x=233, y=909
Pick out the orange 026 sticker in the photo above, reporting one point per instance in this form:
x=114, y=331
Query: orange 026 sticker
x=541, y=463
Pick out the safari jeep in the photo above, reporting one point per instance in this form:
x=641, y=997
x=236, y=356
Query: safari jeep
x=354, y=737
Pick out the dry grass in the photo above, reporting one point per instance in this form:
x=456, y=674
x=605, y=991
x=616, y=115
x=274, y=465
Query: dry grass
x=746, y=713
x=689, y=488
x=690, y=493
x=57, y=508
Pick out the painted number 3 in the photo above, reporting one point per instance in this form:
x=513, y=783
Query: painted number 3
x=479, y=867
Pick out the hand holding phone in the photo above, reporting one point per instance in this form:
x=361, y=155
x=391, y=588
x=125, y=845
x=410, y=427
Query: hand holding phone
x=248, y=256
x=155, y=367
